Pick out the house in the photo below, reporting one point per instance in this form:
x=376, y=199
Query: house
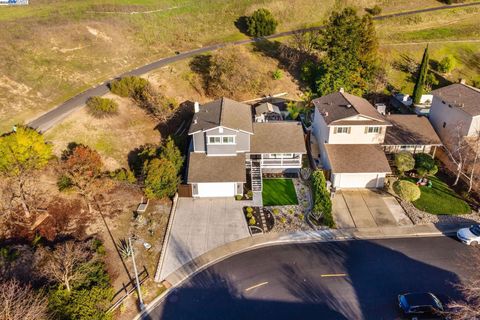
x=267, y=112
x=410, y=132
x=455, y=111
x=228, y=148
x=350, y=133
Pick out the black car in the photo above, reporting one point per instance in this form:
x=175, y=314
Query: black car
x=421, y=306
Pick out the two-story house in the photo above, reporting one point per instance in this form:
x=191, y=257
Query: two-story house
x=228, y=146
x=455, y=111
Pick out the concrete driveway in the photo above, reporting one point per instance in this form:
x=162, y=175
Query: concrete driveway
x=200, y=225
x=367, y=208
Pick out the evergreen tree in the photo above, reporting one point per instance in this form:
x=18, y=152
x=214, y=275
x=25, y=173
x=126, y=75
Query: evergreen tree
x=171, y=153
x=422, y=76
x=161, y=179
x=351, y=53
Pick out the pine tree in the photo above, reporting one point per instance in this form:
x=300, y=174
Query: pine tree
x=422, y=75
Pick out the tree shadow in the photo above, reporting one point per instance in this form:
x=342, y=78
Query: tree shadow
x=201, y=64
x=241, y=24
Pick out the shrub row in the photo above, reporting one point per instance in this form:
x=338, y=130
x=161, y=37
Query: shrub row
x=322, y=204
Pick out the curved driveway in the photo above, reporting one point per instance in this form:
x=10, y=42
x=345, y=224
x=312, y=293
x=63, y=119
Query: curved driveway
x=52, y=117
x=336, y=280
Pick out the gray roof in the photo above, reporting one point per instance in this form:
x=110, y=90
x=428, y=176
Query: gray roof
x=202, y=168
x=265, y=108
x=341, y=105
x=410, y=129
x=277, y=137
x=357, y=158
x=459, y=95
x=223, y=112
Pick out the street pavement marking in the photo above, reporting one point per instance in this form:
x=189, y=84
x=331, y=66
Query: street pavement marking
x=333, y=275
x=256, y=286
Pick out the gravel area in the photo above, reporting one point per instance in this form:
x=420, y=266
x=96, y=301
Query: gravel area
x=422, y=217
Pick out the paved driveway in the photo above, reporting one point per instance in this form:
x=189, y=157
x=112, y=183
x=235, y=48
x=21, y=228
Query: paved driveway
x=366, y=208
x=200, y=225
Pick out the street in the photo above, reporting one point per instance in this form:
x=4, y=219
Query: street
x=334, y=280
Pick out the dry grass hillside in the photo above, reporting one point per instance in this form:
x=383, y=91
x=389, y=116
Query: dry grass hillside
x=51, y=50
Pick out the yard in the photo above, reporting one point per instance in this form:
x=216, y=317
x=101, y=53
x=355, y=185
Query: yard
x=279, y=192
x=440, y=199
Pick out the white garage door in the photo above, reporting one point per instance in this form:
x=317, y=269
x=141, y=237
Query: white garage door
x=358, y=180
x=220, y=189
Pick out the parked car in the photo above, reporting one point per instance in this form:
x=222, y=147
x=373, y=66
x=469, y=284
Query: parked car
x=424, y=305
x=470, y=236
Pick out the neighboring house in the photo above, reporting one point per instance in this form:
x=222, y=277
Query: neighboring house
x=228, y=146
x=267, y=112
x=410, y=132
x=349, y=131
x=455, y=111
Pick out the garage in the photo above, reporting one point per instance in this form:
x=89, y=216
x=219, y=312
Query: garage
x=358, y=180
x=218, y=189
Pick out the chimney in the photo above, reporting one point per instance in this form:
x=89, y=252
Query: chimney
x=341, y=90
x=196, y=107
x=463, y=81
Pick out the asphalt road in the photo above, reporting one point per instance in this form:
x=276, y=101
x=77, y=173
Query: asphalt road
x=52, y=117
x=336, y=280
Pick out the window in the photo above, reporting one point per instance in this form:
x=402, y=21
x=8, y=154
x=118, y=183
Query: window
x=374, y=129
x=444, y=124
x=342, y=130
x=221, y=140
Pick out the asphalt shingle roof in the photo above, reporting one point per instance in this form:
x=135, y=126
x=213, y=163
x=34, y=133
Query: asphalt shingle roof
x=357, y=158
x=461, y=96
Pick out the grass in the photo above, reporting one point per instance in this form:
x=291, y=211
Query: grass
x=440, y=199
x=279, y=192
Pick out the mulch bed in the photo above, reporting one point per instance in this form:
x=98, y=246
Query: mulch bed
x=256, y=214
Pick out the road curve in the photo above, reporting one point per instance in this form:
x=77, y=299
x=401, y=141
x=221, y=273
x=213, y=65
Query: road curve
x=57, y=114
x=335, y=280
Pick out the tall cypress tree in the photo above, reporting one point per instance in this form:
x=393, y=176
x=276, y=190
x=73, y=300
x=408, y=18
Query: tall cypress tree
x=422, y=75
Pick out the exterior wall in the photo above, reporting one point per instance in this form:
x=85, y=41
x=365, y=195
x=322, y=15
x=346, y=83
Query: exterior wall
x=220, y=149
x=474, y=126
x=357, y=135
x=198, y=142
x=320, y=128
x=243, y=142
x=217, y=189
x=358, y=180
x=266, y=162
x=441, y=113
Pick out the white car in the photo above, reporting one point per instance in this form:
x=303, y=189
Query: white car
x=470, y=236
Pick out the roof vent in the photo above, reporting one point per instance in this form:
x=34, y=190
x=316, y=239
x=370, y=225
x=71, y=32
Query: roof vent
x=341, y=90
x=463, y=81
x=349, y=105
x=325, y=114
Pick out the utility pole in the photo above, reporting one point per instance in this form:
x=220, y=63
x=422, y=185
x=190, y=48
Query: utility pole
x=140, y=300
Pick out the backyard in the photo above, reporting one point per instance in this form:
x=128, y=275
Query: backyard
x=440, y=199
x=279, y=192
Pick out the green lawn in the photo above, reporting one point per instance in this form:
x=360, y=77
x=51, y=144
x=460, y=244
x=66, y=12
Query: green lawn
x=440, y=199
x=279, y=192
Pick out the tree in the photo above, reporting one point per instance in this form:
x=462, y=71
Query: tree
x=322, y=205
x=350, y=50
x=21, y=302
x=293, y=109
x=421, y=78
x=21, y=153
x=128, y=86
x=261, y=23
x=170, y=152
x=161, y=179
x=101, y=107
x=404, y=161
x=83, y=166
x=406, y=190
x=425, y=165
x=63, y=265
x=155, y=103
x=446, y=64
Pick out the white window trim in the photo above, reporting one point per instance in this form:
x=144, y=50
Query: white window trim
x=373, y=127
x=221, y=140
x=342, y=127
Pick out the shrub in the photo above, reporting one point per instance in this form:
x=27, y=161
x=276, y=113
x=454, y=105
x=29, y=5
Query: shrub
x=375, y=10
x=277, y=74
x=64, y=183
x=276, y=211
x=128, y=86
x=249, y=209
x=446, y=64
x=406, y=190
x=425, y=164
x=101, y=107
x=238, y=197
x=161, y=179
x=283, y=220
x=261, y=23
x=301, y=216
x=322, y=205
x=404, y=161
x=123, y=175
x=252, y=221
x=250, y=194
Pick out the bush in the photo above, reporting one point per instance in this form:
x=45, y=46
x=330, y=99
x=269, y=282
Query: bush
x=406, y=190
x=128, y=86
x=252, y=221
x=322, y=204
x=276, y=211
x=277, y=74
x=238, y=197
x=250, y=194
x=446, y=64
x=101, y=107
x=64, y=183
x=161, y=179
x=123, y=175
x=249, y=209
x=375, y=10
x=425, y=165
x=404, y=161
x=261, y=23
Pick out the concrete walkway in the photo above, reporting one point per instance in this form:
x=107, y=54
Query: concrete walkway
x=198, y=226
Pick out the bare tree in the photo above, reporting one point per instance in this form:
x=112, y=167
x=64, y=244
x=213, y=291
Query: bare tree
x=21, y=302
x=458, y=151
x=63, y=264
x=474, y=155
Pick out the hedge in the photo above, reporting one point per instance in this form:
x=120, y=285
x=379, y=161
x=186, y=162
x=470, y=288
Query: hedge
x=322, y=204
